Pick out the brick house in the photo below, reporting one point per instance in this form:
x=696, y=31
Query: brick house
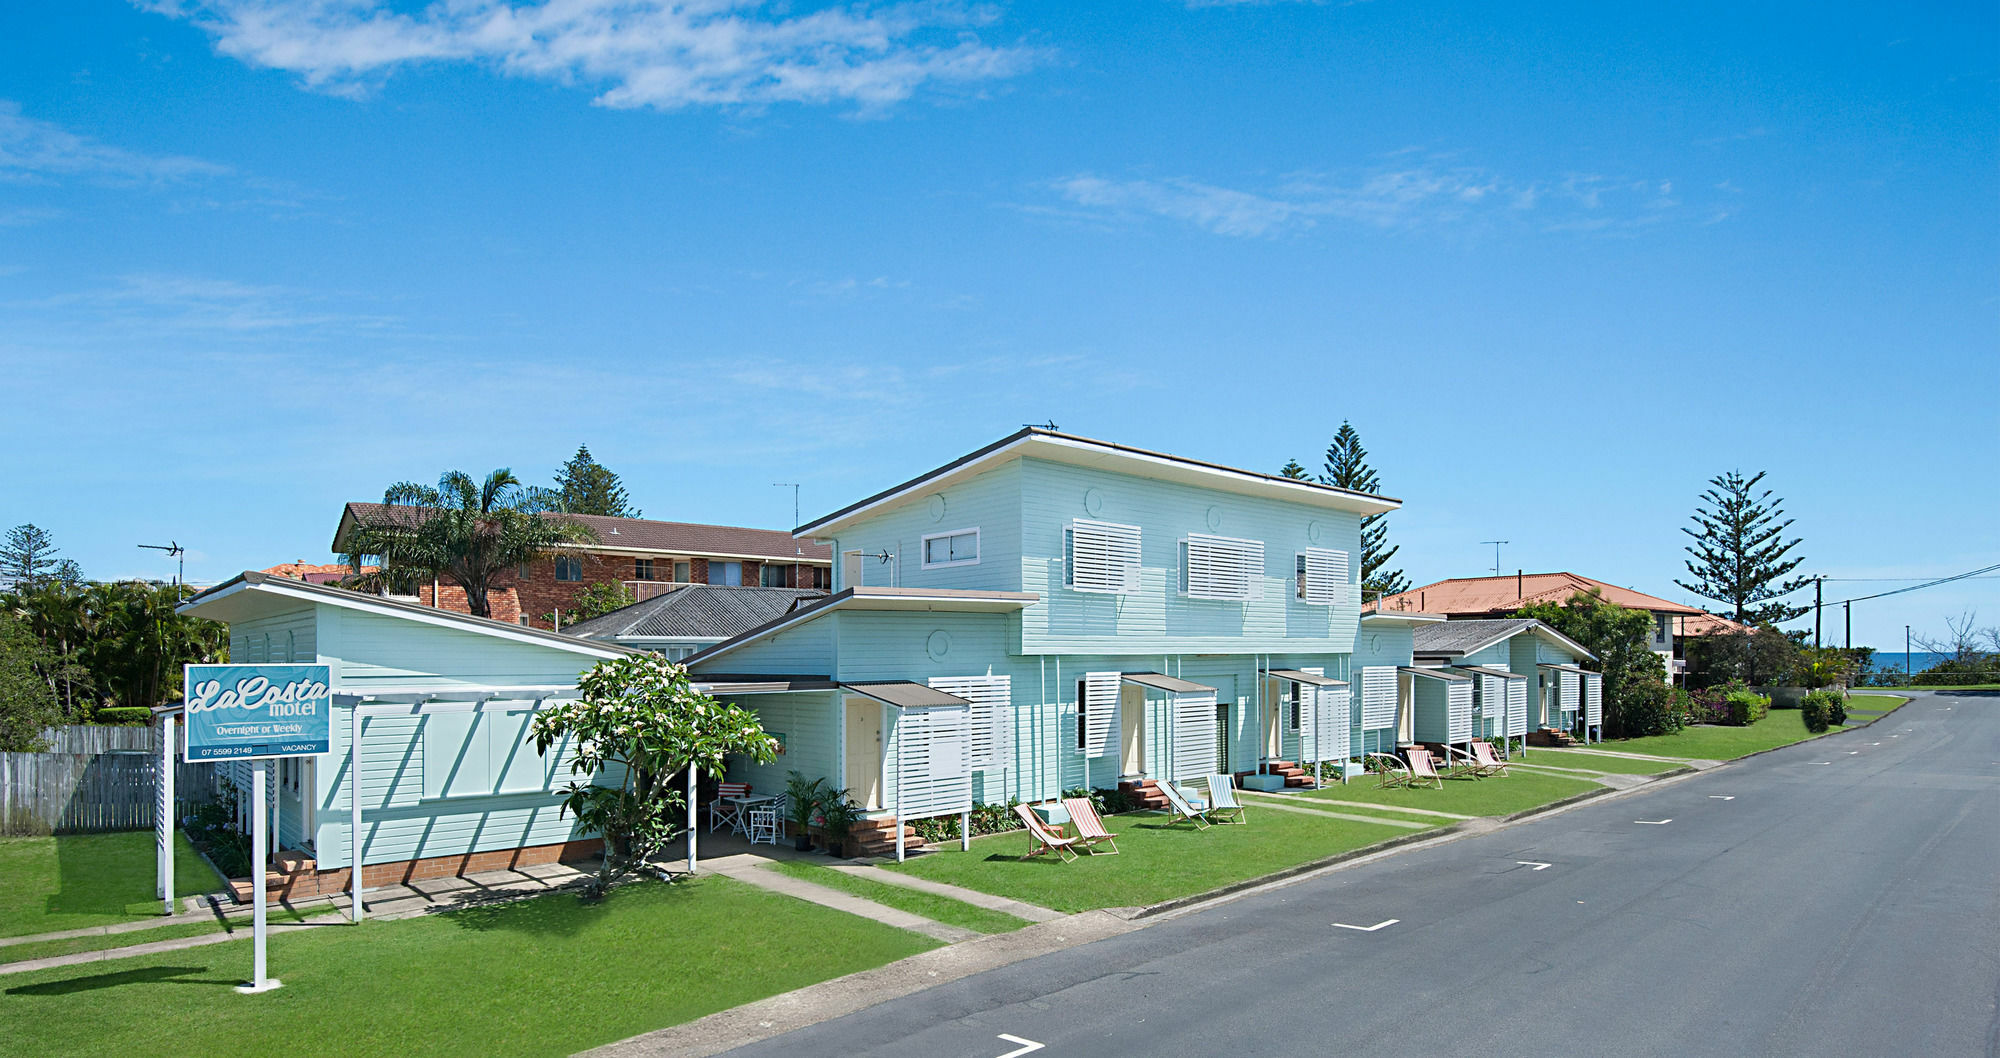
x=649, y=557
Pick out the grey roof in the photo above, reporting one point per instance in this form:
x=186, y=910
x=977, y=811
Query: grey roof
x=1169, y=684
x=904, y=694
x=697, y=611
x=1459, y=638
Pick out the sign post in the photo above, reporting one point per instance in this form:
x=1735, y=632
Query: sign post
x=257, y=712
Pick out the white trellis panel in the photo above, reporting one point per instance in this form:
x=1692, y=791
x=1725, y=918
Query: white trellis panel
x=1322, y=574
x=1378, y=697
x=1493, y=702
x=1100, y=716
x=1194, y=736
x=992, y=699
x=1517, y=707
x=933, y=772
x=1571, y=690
x=1223, y=567
x=1593, y=698
x=1327, y=720
x=1104, y=557
x=1458, y=711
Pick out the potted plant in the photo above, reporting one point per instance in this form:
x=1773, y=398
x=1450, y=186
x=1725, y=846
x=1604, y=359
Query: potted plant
x=836, y=816
x=803, y=797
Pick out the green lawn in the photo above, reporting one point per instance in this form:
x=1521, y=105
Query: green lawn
x=42, y=949
x=80, y=880
x=930, y=905
x=1781, y=727
x=1155, y=862
x=1496, y=796
x=1599, y=762
x=548, y=976
x=1875, y=703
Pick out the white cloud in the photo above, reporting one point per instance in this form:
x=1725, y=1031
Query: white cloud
x=38, y=150
x=641, y=53
x=156, y=303
x=1411, y=192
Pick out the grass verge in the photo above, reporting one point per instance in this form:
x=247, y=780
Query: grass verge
x=79, y=880
x=1496, y=796
x=546, y=976
x=1874, y=704
x=1781, y=727
x=1583, y=760
x=930, y=905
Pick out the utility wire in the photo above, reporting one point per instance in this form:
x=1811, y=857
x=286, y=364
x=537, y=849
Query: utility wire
x=1891, y=580
x=1914, y=587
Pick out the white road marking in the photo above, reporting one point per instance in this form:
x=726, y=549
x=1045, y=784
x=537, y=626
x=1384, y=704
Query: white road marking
x=1851, y=753
x=1655, y=822
x=1536, y=865
x=1721, y=797
x=1822, y=762
x=1026, y=1046
x=1370, y=929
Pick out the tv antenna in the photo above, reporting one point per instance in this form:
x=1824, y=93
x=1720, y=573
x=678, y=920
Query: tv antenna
x=1049, y=426
x=178, y=553
x=1496, y=553
x=794, y=486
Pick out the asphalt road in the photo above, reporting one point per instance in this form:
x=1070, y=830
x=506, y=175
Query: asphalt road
x=1839, y=897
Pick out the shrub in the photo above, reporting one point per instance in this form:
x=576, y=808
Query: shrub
x=1708, y=706
x=986, y=819
x=1746, y=707
x=125, y=715
x=1822, y=709
x=1648, y=709
x=1836, y=709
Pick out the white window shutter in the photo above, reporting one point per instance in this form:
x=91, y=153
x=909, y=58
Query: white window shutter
x=992, y=727
x=1100, y=693
x=1378, y=697
x=1324, y=576
x=1593, y=698
x=1224, y=567
x=1194, y=736
x=1458, y=711
x=1517, y=707
x=1104, y=557
x=1493, y=702
x=1571, y=691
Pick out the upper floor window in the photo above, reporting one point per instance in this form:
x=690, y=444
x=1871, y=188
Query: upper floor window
x=683, y=571
x=727, y=574
x=1660, y=627
x=1322, y=576
x=774, y=576
x=1221, y=567
x=822, y=577
x=960, y=547
x=1101, y=557
x=569, y=567
x=642, y=569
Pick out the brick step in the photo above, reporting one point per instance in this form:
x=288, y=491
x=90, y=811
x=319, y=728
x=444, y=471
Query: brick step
x=877, y=837
x=1146, y=792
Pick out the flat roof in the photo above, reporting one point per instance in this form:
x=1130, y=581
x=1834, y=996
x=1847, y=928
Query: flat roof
x=1302, y=676
x=1170, y=684
x=865, y=597
x=904, y=694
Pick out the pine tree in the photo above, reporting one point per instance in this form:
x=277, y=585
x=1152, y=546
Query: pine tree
x=1292, y=470
x=585, y=486
x=1347, y=467
x=28, y=556
x=1739, y=552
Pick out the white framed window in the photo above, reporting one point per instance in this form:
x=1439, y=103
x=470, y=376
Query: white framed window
x=1321, y=576
x=569, y=568
x=1101, y=557
x=1221, y=567
x=960, y=547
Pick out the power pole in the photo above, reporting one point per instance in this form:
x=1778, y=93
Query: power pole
x=1847, y=611
x=1906, y=654
x=1496, y=553
x=1818, y=582
x=794, y=486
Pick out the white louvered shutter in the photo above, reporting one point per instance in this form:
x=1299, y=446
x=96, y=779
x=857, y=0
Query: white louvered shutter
x=1493, y=701
x=1458, y=711
x=1593, y=698
x=1322, y=576
x=1571, y=691
x=992, y=699
x=1329, y=722
x=933, y=772
x=1100, y=694
x=1378, y=697
x=1194, y=736
x=1223, y=567
x=1517, y=707
x=1104, y=557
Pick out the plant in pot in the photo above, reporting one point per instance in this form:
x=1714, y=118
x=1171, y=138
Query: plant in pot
x=803, y=797
x=836, y=816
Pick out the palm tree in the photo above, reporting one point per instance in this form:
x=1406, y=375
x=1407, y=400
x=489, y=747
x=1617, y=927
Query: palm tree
x=460, y=531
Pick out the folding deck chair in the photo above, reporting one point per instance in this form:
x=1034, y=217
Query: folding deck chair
x=724, y=811
x=1044, y=840
x=1090, y=831
x=1222, y=800
x=1459, y=762
x=1391, y=771
x=1182, y=810
x=1487, y=759
x=1423, y=768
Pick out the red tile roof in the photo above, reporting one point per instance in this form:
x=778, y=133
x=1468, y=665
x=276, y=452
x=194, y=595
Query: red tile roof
x=645, y=534
x=1481, y=596
x=313, y=573
x=1709, y=624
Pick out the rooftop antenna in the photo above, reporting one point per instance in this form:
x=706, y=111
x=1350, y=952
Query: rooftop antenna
x=794, y=486
x=179, y=553
x=1050, y=425
x=1496, y=553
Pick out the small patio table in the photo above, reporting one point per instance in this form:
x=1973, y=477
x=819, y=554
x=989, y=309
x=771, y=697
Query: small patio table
x=741, y=823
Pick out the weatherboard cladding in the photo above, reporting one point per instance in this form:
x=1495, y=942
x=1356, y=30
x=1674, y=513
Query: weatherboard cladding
x=988, y=502
x=697, y=611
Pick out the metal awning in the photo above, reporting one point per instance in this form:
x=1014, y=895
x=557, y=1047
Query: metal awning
x=1307, y=678
x=1563, y=668
x=904, y=694
x=756, y=684
x=1169, y=684
x=1436, y=674
x=1492, y=670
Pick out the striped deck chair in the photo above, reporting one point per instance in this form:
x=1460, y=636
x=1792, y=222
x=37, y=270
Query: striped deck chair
x=1222, y=800
x=725, y=813
x=1181, y=809
x=1423, y=768
x=1390, y=770
x=1090, y=832
x=1044, y=840
x=1458, y=762
x=1487, y=759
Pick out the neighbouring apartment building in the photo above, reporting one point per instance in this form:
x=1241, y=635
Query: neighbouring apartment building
x=649, y=557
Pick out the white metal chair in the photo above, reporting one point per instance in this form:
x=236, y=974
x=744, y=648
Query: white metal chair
x=762, y=823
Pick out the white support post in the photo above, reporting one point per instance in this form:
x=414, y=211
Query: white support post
x=965, y=832
x=899, y=823
x=691, y=819
x=260, y=777
x=165, y=825
x=357, y=912
x=274, y=845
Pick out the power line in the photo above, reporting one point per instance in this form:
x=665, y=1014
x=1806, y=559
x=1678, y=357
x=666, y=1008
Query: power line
x=1894, y=580
x=1927, y=584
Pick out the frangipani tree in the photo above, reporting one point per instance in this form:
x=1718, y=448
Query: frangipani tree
x=638, y=724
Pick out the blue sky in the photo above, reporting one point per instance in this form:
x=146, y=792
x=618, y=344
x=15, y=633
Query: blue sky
x=1559, y=264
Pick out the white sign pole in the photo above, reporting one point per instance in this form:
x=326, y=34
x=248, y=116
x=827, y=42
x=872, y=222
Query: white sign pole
x=260, y=774
x=167, y=824
x=691, y=819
